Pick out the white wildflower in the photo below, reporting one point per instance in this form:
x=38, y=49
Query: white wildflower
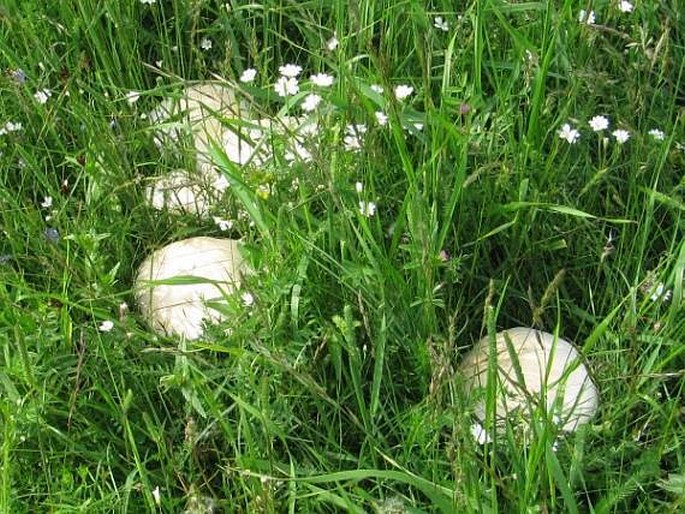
x=311, y=102
x=10, y=127
x=332, y=44
x=359, y=187
x=625, y=7
x=46, y=203
x=568, y=134
x=106, y=326
x=599, y=123
x=287, y=86
x=621, y=135
x=661, y=293
x=149, y=2
x=657, y=134
x=377, y=89
x=586, y=17
x=42, y=96
x=155, y=492
x=290, y=70
x=367, y=209
x=403, y=92
x=440, y=23
x=248, y=75
x=381, y=118
x=223, y=224
x=353, y=137
x=322, y=79
x=480, y=434
x=247, y=298
x=206, y=43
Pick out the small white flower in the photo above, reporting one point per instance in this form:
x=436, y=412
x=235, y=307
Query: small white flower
x=248, y=75
x=10, y=127
x=106, y=326
x=353, y=137
x=377, y=89
x=599, y=123
x=480, y=434
x=322, y=79
x=367, y=209
x=621, y=135
x=586, y=17
x=149, y=2
x=311, y=102
x=155, y=492
x=568, y=134
x=290, y=70
x=418, y=126
x=46, y=203
x=440, y=23
x=287, y=86
x=247, y=298
x=206, y=43
x=159, y=63
x=657, y=134
x=132, y=97
x=626, y=7
x=381, y=118
x=661, y=293
x=403, y=92
x=42, y=96
x=332, y=44
x=223, y=224
x=359, y=187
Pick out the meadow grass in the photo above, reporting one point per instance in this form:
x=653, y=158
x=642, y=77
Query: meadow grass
x=336, y=391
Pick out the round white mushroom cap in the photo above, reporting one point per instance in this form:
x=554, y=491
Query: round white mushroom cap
x=542, y=371
x=205, y=270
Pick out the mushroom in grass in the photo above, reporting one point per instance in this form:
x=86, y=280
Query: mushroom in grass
x=206, y=111
x=176, y=286
x=535, y=370
x=180, y=191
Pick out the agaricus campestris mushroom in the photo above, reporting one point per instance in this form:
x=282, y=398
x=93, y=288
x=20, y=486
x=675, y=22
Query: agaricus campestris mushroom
x=210, y=113
x=534, y=369
x=180, y=191
x=205, y=269
x=204, y=110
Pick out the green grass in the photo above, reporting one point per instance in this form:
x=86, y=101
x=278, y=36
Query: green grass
x=337, y=391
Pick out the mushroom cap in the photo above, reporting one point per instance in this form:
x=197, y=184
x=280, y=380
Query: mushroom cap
x=200, y=109
x=182, y=307
x=551, y=375
x=179, y=191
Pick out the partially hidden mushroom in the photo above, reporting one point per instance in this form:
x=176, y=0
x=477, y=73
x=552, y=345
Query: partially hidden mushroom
x=210, y=113
x=535, y=372
x=178, y=286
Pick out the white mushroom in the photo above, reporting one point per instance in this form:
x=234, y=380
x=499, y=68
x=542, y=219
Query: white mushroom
x=535, y=369
x=210, y=113
x=179, y=191
x=205, y=270
x=203, y=110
